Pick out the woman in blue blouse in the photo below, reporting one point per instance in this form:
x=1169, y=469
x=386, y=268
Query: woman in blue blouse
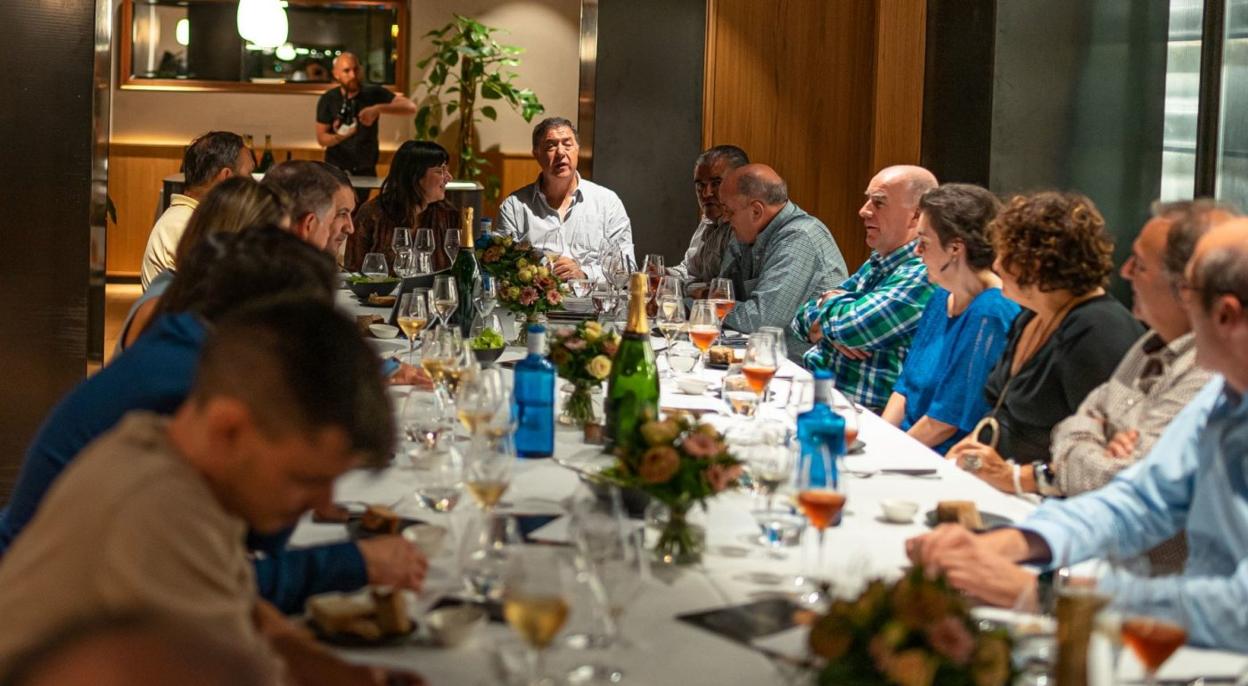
x=939, y=397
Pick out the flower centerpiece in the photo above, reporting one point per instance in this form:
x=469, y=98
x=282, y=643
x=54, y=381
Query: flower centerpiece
x=679, y=464
x=915, y=632
x=526, y=284
x=582, y=355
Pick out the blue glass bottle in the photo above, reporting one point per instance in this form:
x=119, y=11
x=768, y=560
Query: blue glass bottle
x=533, y=399
x=820, y=429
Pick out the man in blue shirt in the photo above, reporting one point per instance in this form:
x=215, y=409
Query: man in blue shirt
x=1195, y=479
x=224, y=273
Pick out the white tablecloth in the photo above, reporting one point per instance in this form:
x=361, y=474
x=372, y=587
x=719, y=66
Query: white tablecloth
x=735, y=568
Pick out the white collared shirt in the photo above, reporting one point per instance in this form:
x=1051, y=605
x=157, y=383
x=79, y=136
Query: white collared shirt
x=595, y=218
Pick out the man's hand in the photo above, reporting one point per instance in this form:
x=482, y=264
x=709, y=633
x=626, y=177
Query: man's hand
x=973, y=566
x=392, y=561
x=368, y=116
x=830, y=294
x=815, y=335
x=567, y=268
x=1123, y=444
x=344, y=132
x=851, y=353
x=984, y=462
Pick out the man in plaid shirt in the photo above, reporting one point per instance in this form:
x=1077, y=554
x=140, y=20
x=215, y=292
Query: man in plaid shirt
x=780, y=256
x=862, y=330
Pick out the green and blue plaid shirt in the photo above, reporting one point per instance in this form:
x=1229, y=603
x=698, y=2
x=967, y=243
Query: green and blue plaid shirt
x=878, y=311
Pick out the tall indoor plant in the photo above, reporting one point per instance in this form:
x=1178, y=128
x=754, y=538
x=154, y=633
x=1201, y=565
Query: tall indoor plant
x=466, y=70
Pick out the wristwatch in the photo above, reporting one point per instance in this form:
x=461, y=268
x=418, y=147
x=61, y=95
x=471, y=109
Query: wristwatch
x=1046, y=480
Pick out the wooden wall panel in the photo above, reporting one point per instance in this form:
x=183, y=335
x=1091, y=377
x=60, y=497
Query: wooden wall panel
x=825, y=92
x=134, y=182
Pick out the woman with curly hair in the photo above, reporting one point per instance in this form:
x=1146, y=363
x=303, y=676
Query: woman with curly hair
x=1054, y=257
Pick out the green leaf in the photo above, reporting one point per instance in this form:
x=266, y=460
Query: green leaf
x=423, y=63
x=489, y=113
x=422, y=119
x=489, y=91
x=451, y=107
x=434, y=131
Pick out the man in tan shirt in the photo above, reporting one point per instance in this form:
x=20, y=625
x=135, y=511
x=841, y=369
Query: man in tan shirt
x=152, y=516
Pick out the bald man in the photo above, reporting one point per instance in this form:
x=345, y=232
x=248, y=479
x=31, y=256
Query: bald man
x=1195, y=479
x=779, y=256
x=347, y=114
x=862, y=331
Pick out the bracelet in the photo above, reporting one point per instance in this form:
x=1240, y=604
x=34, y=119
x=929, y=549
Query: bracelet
x=1018, y=484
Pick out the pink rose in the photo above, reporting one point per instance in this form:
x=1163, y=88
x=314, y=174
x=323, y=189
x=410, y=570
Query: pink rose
x=528, y=296
x=701, y=446
x=575, y=344
x=553, y=297
x=543, y=282
x=950, y=638
x=721, y=477
x=658, y=465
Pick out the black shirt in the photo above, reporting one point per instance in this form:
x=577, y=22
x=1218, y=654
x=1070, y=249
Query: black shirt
x=357, y=154
x=1080, y=355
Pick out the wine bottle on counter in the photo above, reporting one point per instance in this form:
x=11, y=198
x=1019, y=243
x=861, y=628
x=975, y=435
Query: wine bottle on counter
x=266, y=161
x=820, y=429
x=533, y=398
x=633, y=387
x=466, y=272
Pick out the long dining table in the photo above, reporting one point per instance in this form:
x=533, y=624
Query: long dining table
x=736, y=567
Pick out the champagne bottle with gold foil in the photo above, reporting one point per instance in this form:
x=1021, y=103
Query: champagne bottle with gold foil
x=466, y=272
x=633, y=387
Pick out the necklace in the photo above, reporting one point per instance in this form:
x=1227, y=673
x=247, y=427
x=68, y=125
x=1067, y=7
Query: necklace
x=1037, y=336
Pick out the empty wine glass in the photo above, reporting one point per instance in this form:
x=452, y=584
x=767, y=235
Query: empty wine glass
x=412, y=317
x=721, y=293
x=603, y=300
x=401, y=243
x=616, y=266
x=782, y=348
x=445, y=297
x=485, y=294
x=703, y=325
x=801, y=396
x=424, y=244
x=485, y=546
x=427, y=417
x=374, y=266
x=738, y=392
x=671, y=324
x=849, y=411
x=451, y=243
x=670, y=288
x=683, y=356
x=554, y=245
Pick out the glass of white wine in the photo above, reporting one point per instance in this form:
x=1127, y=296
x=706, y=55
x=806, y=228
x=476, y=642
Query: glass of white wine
x=487, y=469
x=445, y=297
x=413, y=315
x=672, y=324
x=536, y=589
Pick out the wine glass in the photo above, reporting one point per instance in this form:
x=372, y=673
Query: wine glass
x=485, y=545
x=451, y=243
x=671, y=324
x=487, y=468
x=485, y=294
x=703, y=325
x=478, y=397
x=424, y=244
x=760, y=362
x=654, y=267
x=374, y=266
x=782, y=348
x=457, y=359
x=602, y=298
x=821, y=496
x=849, y=411
x=413, y=315
x=535, y=599
x=445, y=297
x=616, y=266
x=439, y=473
x=427, y=416
x=683, y=356
x=721, y=294
x=739, y=393
x=670, y=288
x=554, y=246
x=401, y=242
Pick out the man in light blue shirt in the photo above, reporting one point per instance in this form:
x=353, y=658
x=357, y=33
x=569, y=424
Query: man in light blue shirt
x=574, y=220
x=1195, y=479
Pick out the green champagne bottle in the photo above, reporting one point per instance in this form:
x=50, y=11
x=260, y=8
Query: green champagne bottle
x=466, y=272
x=633, y=387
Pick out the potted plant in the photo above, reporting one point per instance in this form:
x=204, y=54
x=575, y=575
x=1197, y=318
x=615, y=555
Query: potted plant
x=467, y=70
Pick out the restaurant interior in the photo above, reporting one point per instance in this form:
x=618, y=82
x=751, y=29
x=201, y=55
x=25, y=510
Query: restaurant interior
x=1118, y=106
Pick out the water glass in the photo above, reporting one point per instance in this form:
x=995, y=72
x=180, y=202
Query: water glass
x=374, y=266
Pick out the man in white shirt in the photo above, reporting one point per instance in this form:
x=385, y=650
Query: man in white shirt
x=563, y=214
x=711, y=238
x=209, y=159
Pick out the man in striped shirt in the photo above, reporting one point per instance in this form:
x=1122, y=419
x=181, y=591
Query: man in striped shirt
x=862, y=330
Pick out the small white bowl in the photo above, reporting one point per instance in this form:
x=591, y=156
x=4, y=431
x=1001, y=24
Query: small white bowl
x=427, y=537
x=692, y=385
x=451, y=626
x=383, y=330
x=899, y=511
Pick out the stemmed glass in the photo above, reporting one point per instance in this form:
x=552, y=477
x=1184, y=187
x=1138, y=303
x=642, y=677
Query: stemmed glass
x=555, y=246
x=670, y=288
x=703, y=325
x=849, y=411
x=427, y=416
x=402, y=245
x=822, y=500
x=722, y=295
x=445, y=297
x=738, y=392
x=413, y=315
x=450, y=244
x=374, y=266
x=671, y=324
x=654, y=268
x=761, y=362
x=616, y=266
x=535, y=599
x=485, y=294
x=487, y=470
x=425, y=244
x=603, y=299
x=478, y=398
